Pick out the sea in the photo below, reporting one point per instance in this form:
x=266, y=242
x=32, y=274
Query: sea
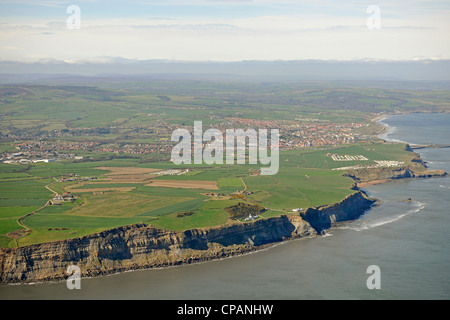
x=398, y=250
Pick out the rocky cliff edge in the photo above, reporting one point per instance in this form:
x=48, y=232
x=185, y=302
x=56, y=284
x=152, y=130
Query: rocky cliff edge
x=142, y=246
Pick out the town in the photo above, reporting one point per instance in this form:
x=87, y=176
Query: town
x=58, y=145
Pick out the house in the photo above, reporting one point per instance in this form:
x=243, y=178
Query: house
x=67, y=196
x=44, y=160
x=251, y=217
x=58, y=198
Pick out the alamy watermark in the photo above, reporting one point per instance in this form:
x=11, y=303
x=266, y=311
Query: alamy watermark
x=74, y=279
x=212, y=146
x=374, y=280
x=74, y=20
x=374, y=20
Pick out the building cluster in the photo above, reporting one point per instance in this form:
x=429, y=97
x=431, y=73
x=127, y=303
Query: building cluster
x=44, y=151
x=59, y=199
x=75, y=177
x=171, y=172
x=337, y=157
x=139, y=148
x=251, y=217
x=25, y=158
x=320, y=134
x=293, y=134
x=52, y=146
x=32, y=151
x=262, y=124
x=305, y=133
x=35, y=156
x=377, y=164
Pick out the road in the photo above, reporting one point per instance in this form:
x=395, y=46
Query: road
x=20, y=220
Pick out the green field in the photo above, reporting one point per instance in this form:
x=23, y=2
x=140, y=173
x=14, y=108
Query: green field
x=305, y=179
x=319, y=159
x=91, y=120
x=110, y=110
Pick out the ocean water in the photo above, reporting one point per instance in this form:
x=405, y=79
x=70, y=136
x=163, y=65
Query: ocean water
x=407, y=240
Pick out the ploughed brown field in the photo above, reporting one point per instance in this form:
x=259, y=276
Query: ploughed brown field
x=128, y=174
x=117, y=175
x=142, y=175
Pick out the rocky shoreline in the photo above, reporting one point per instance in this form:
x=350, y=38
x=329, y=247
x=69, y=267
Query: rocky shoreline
x=385, y=175
x=142, y=246
x=417, y=168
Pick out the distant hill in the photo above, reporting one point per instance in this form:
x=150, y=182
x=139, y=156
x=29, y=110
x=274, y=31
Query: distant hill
x=261, y=71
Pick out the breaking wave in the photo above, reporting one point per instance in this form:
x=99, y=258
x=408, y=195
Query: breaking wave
x=376, y=220
x=390, y=130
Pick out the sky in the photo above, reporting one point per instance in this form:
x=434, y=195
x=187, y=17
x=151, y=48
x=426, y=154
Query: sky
x=227, y=30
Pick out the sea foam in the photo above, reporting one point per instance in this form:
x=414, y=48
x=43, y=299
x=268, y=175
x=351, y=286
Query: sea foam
x=374, y=220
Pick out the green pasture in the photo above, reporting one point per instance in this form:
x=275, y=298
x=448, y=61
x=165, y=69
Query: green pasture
x=304, y=180
x=320, y=159
x=134, y=112
x=24, y=193
x=73, y=226
x=211, y=213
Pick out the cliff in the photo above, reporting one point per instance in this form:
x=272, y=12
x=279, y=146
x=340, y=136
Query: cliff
x=143, y=246
x=386, y=174
x=351, y=208
x=416, y=168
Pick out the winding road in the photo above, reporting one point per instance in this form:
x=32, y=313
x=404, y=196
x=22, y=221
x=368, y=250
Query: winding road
x=20, y=220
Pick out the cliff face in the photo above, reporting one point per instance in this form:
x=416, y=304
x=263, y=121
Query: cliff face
x=362, y=175
x=416, y=168
x=142, y=246
x=351, y=208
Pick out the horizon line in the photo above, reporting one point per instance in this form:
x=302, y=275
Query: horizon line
x=109, y=60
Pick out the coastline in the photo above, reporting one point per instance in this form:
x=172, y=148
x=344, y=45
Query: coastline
x=371, y=183
x=396, y=174
x=379, y=118
x=141, y=246
x=386, y=129
x=110, y=256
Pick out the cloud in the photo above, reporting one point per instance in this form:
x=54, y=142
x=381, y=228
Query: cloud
x=43, y=3
x=280, y=35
